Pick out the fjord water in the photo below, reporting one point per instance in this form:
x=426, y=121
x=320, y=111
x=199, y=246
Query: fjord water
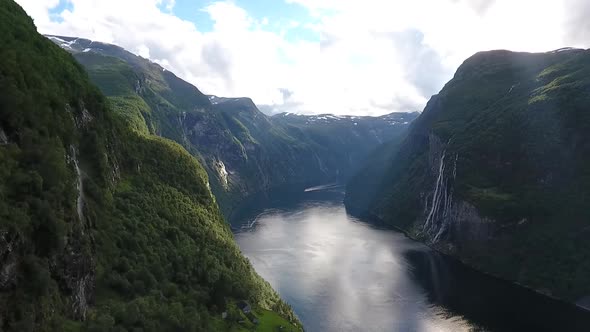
x=342, y=274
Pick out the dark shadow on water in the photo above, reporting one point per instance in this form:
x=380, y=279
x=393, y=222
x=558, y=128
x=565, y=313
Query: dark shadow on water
x=490, y=302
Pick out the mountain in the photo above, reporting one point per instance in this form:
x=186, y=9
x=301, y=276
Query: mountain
x=345, y=141
x=105, y=226
x=244, y=151
x=496, y=170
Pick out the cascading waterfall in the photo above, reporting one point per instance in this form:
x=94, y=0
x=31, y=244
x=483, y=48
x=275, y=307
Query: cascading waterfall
x=437, y=194
x=439, y=216
x=79, y=185
x=182, y=122
x=448, y=201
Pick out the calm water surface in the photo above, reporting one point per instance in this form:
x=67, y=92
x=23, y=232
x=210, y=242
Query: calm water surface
x=342, y=274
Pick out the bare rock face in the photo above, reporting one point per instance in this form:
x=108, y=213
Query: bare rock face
x=8, y=260
x=73, y=269
x=77, y=272
x=222, y=172
x=84, y=117
x=468, y=225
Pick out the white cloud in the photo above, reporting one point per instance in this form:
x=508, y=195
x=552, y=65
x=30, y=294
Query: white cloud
x=168, y=4
x=372, y=57
x=39, y=9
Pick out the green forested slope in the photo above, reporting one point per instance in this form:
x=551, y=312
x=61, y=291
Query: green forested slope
x=103, y=226
x=513, y=133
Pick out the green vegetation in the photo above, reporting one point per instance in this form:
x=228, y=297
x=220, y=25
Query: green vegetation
x=168, y=259
x=271, y=322
x=520, y=126
x=260, y=320
x=134, y=241
x=44, y=97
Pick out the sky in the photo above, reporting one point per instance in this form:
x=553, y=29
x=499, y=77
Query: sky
x=352, y=57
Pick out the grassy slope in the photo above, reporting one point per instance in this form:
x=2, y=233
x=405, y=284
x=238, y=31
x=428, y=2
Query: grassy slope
x=268, y=321
x=152, y=248
x=520, y=125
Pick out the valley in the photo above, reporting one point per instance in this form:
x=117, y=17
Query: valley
x=130, y=200
x=244, y=151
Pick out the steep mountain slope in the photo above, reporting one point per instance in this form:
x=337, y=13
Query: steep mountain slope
x=345, y=141
x=496, y=170
x=243, y=150
x=103, y=226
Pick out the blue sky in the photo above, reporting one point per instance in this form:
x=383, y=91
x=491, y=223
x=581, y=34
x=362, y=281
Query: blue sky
x=281, y=15
x=274, y=11
x=63, y=5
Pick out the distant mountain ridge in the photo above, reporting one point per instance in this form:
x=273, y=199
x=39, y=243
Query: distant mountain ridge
x=391, y=118
x=243, y=150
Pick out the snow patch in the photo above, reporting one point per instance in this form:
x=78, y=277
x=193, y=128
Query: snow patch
x=69, y=44
x=59, y=40
x=63, y=43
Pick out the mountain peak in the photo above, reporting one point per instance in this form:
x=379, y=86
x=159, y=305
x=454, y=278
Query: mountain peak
x=494, y=61
x=76, y=44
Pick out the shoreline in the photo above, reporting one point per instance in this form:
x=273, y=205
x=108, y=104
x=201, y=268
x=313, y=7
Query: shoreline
x=374, y=220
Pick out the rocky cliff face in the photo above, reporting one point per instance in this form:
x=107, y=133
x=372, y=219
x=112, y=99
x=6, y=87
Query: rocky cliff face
x=494, y=170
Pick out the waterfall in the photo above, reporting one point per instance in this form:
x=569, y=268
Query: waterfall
x=439, y=216
x=448, y=202
x=79, y=186
x=437, y=193
x=455, y=166
x=181, y=122
x=3, y=137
